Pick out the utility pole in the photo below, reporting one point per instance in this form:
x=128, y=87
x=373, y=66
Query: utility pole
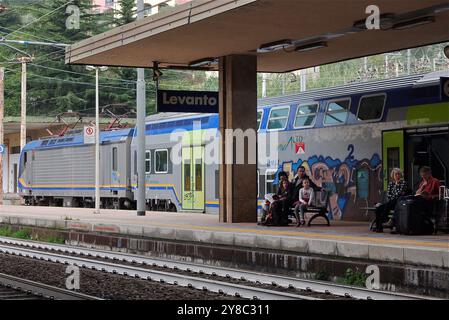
x=23, y=130
x=2, y=108
x=141, y=113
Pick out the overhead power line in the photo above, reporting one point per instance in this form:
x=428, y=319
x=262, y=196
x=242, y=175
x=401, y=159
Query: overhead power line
x=40, y=18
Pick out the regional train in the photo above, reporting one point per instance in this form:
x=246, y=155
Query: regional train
x=348, y=138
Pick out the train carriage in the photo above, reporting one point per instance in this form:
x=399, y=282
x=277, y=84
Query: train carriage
x=348, y=138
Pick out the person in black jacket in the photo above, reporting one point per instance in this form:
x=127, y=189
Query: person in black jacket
x=281, y=205
x=396, y=189
x=297, y=183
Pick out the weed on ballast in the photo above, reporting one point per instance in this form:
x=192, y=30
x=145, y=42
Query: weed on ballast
x=52, y=239
x=322, y=275
x=22, y=234
x=5, y=232
x=353, y=278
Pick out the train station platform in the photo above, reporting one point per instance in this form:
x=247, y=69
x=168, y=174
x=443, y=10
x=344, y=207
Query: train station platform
x=416, y=264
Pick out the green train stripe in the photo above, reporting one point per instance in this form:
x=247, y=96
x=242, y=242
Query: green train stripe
x=428, y=114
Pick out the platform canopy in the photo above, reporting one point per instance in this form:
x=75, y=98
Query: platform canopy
x=321, y=31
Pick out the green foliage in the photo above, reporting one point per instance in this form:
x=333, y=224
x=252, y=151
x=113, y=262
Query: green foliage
x=322, y=275
x=52, y=239
x=5, y=232
x=353, y=278
x=54, y=87
x=126, y=12
x=22, y=234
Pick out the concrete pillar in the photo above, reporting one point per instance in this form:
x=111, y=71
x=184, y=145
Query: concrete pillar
x=238, y=110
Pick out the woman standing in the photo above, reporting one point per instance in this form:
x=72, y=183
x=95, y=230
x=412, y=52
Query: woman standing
x=396, y=189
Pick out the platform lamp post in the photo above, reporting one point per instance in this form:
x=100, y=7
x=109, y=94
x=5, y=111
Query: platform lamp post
x=97, y=135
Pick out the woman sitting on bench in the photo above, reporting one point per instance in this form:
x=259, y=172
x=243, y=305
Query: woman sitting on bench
x=396, y=189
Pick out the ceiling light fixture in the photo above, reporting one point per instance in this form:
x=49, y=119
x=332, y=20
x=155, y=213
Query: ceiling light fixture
x=274, y=46
x=206, y=62
x=311, y=46
x=413, y=23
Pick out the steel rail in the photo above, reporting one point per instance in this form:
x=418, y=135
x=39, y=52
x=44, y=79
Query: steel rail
x=38, y=290
x=159, y=276
x=289, y=282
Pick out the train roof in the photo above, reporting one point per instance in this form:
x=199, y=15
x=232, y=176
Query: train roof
x=426, y=79
x=417, y=80
x=78, y=139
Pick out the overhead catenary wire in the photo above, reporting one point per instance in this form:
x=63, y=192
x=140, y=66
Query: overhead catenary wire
x=41, y=17
x=83, y=74
x=25, y=34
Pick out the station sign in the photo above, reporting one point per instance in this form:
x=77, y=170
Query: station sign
x=89, y=134
x=187, y=101
x=2, y=148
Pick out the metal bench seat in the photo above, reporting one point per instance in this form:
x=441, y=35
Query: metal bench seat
x=319, y=208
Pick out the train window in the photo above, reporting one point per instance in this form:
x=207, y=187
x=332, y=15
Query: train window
x=305, y=116
x=337, y=112
x=270, y=176
x=161, y=162
x=259, y=119
x=198, y=175
x=187, y=176
x=278, y=118
x=371, y=108
x=147, y=162
x=114, y=159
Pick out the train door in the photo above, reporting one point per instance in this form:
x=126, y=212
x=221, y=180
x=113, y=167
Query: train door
x=13, y=174
x=193, y=194
x=115, y=172
x=392, y=153
x=427, y=147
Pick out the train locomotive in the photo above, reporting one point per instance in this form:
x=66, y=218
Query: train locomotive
x=348, y=138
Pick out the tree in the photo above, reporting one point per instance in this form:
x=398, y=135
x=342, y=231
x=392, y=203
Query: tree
x=127, y=12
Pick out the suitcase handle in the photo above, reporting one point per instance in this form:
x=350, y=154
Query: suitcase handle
x=443, y=193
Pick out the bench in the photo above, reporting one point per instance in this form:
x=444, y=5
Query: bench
x=372, y=225
x=319, y=208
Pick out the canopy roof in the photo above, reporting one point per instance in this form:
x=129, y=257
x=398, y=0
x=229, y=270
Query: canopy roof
x=214, y=28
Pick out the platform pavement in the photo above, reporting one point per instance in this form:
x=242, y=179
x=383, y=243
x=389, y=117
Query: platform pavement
x=342, y=239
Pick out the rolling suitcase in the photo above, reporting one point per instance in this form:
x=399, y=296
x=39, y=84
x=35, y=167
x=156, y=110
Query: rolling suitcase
x=443, y=210
x=411, y=217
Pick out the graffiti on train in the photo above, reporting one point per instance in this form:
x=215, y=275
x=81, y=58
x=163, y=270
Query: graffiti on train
x=352, y=183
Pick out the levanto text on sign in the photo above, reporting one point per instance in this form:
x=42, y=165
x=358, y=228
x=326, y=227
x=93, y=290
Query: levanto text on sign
x=187, y=101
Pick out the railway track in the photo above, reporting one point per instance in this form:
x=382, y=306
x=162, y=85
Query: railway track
x=36, y=250
x=13, y=288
